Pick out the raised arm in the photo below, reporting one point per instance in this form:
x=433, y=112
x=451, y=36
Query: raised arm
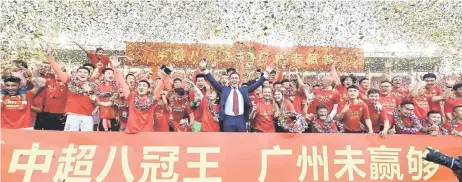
x=81, y=47
x=214, y=82
x=119, y=78
x=262, y=79
x=241, y=68
x=333, y=73
x=339, y=116
x=161, y=85
x=280, y=74
x=253, y=114
x=55, y=66
x=301, y=84
x=198, y=93
x=40, y=84
x=95, y=75
x=417, y=86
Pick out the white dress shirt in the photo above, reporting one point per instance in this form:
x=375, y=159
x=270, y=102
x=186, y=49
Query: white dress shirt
x=229, y=103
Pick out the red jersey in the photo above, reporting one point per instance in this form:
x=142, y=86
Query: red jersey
x=389, y=103
x=55, y=99
x=38, y=102
x=352, y=118
x=298, y=101
x=451, y=103
x=14, y=118
x=198, y=110
x=122, y=111
x=363, y=94
x=264, y=117
x=95, y=60
x=78, y=103
x=105, y=94
x=450, y=126
x=321, y=125
x=161, y=115
x=402, y=94
x=254, y=97
x=210, y=122
x=421, y=106
x=326, y=97
x=431, y=92
x=377, y=117
x=179, y=111
x=343, y=92
x=139, y=120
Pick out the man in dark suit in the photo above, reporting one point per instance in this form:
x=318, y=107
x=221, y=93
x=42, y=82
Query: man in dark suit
x=235, y=104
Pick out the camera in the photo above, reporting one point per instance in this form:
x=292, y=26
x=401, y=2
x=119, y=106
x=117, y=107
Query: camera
x=165, y=69
x=450, y=162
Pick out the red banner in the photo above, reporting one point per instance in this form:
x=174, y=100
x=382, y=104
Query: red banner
x=255, y=54
x=42, y=156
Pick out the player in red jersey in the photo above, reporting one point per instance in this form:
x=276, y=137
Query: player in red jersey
x=389, y=101
x=107, y=88
x=364, y=86
x=353, y=111
x=432, y=90
x=264, y=112
x=431, y=124
x=379, y=118
x=345, y=82
x=454, y=127
x=140, y=102
x=454, y=100
x=95, y=57
x=325, y=95
x=14, y=117
x=322, y=123
x=81, y=97
x=398, y=89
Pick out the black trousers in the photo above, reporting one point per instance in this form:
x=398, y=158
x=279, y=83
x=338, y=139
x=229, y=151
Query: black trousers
x=50, y=121
x=347, y=131
x=114, y=125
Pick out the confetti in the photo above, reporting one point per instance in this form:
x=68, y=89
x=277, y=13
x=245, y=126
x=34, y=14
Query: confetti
x=109, y=24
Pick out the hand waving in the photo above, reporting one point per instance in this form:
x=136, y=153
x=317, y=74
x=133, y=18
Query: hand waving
x=450, y=80
x=114, y=62
x=47, y=51
x=346, y=108
x=213, y=64
x=203, y=64
x=269, y=69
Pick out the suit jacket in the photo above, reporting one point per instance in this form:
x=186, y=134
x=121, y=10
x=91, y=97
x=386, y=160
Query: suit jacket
x=226, y=90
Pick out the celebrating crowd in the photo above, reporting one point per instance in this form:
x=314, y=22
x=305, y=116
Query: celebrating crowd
x=98, y=97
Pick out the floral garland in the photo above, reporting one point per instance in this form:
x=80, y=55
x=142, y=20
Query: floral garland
x=178, y=109
x=212, y=110
x=328, y=128
x=299, y=125
x=76, y=88
x=289, y=93
x=108, y=93
x=340, y=127
x=453, y=126
x=117, y=103
x=145, y=106
x=400, y=124
x=443, y=130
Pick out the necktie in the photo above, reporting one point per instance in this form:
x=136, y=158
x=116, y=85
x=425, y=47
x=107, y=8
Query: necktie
x=235, y=103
